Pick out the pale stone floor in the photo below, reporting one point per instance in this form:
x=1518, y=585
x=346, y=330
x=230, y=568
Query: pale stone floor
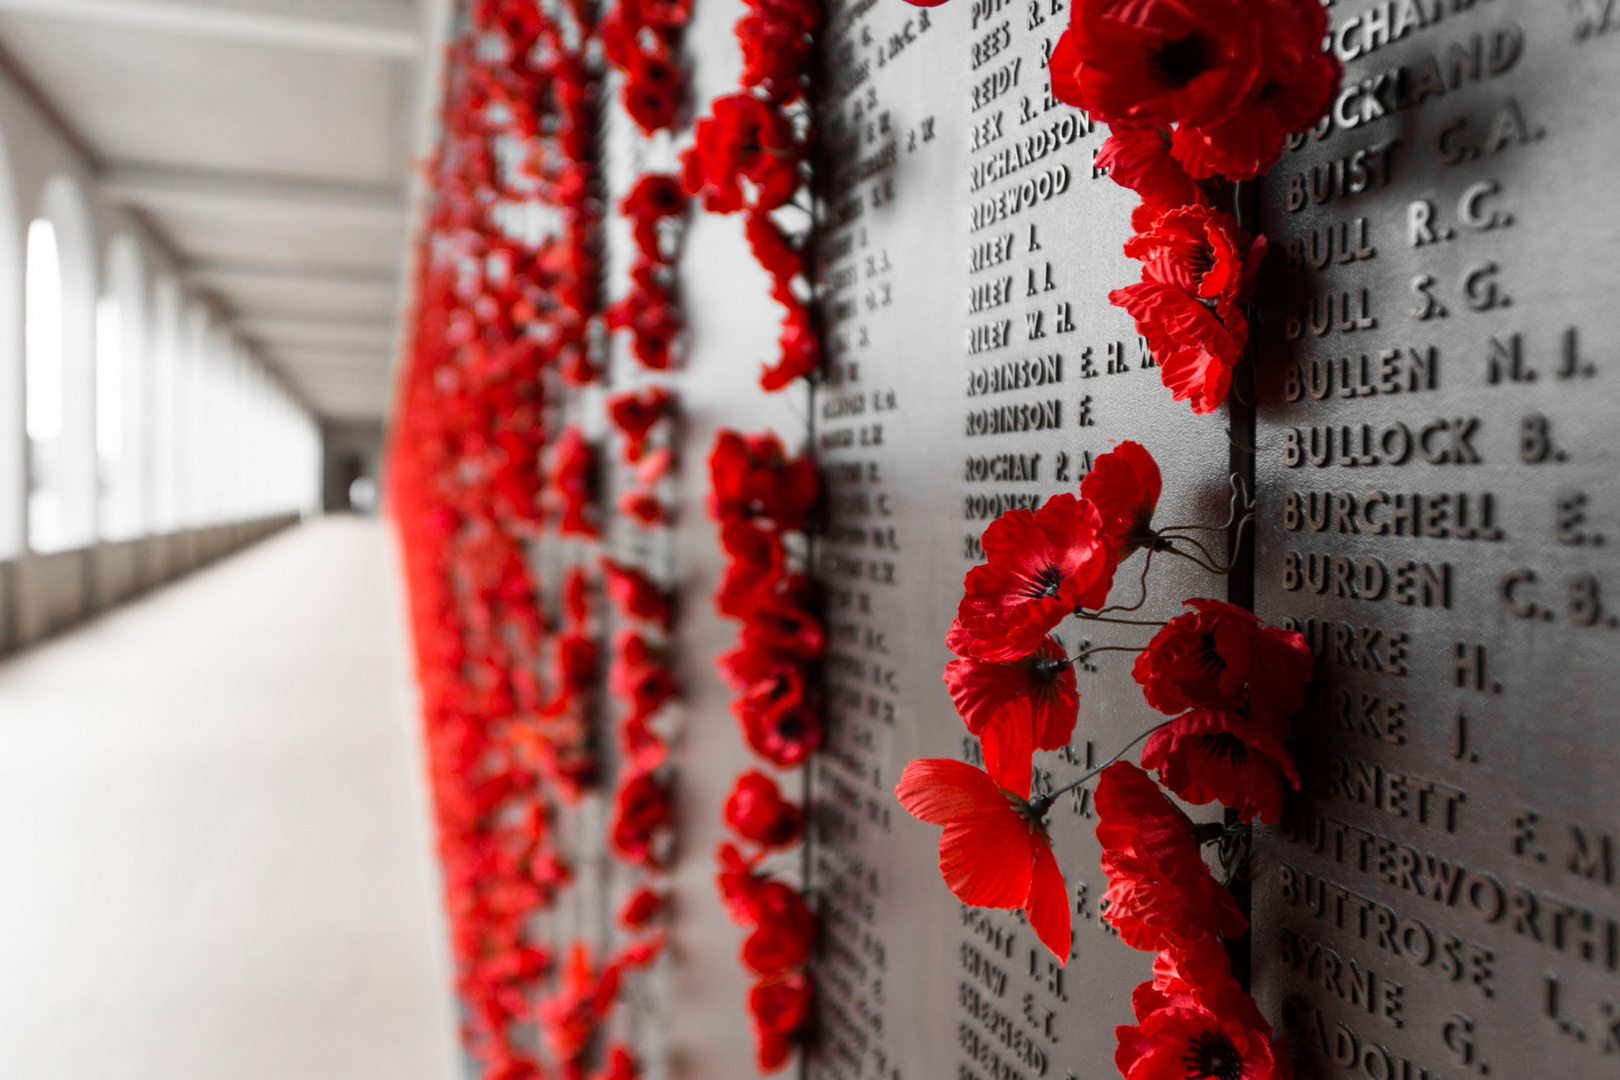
x=215, y=856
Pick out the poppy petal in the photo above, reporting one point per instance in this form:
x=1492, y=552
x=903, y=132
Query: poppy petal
x=1047, y=907
x=986, y=857
x=936, y=790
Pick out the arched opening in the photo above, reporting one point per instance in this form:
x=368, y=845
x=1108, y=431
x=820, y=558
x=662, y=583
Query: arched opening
x=13, y=437
x=163, y=409
x=59, y=372
x=121, y=375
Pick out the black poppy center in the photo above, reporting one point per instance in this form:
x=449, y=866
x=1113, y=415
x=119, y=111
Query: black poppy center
x=1179, y=62
x=1211, y=1056
x=1209, y=657
x=1223, y=746
x=1200, y=261
x=1046, y=583
x=790, y=727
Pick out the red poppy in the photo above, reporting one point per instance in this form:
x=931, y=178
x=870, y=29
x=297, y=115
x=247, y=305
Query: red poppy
x=1296, y=84
x=652, y=90
x=636, y=412
x=1124, y=485
x=783, y=929
x=1160, y=893
x=744, y=138
x=568, y=1019
x=783, y=733
x=576, y=596
x=641, y=809
x=1040, y=567
x=779, y=1007
x=1214, y=1031
x=798, y=346
x=1156, y=61
x=645, y=508
x=618, y=1066
x=1219, y=656
x=754, y=562
x=778, y=622
x=643, y=748
x=1138, y=157
x=738, y=883
x=756, y=811
x=995, y=851
x=1210, y=755
x=776, y=52
x=1196, y=266
x=571, y=467
x=640, y=908
x=635, y=594
x=653, y=198
x=646, y=688
x=751, y=476
x=771, y=247
x=1015, y=708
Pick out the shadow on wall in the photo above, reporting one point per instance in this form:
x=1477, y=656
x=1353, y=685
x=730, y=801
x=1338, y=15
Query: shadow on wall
x=352, y=456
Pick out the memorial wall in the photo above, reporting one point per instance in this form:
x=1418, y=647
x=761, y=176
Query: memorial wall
x=1404, y=472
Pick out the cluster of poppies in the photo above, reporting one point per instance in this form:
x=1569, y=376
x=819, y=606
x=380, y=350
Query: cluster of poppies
x=497, y=322
x=650, y=311
x=571, y=1018
x=1227, y=681
x=1193, y=91
x=750, y=156
x=762, y=499
x=642, y=39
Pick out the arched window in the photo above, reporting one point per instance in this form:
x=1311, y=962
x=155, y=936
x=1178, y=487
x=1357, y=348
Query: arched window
x=59, y=371
x=45, y=378
x=121, y=374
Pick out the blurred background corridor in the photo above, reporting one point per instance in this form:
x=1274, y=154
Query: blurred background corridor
x=214, y=837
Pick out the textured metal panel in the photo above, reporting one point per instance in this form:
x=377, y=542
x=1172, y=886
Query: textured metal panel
x=1436, y=472
x=968, y=245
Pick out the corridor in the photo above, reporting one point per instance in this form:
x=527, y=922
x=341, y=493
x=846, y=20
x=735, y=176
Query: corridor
x=215, y=850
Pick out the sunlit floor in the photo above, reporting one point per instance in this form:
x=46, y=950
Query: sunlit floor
x=214, y=847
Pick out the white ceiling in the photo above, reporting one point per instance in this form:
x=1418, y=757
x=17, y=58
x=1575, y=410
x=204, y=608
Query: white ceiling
x=268, y=143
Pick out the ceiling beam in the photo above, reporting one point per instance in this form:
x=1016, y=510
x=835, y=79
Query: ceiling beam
x=295, y=332
x=159, y=187
x=367, y=27
x=304, y=273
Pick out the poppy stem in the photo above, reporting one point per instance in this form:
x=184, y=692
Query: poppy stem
x=1077, y=657
x=1141, y=584
x=1042, y=804
x=1099, y=617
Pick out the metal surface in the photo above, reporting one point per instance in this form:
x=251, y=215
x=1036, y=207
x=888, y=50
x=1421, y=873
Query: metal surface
x=1436, y=474
x=966, y=237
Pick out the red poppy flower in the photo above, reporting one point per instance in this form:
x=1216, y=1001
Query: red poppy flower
x=1212, y=1030
x=636, y=412
x=569, y=1018
x=1196, y=266
x=618, y=1066
x=576, y=596
x=643, y=748
x=776, y=53
x=744, y=138
x=640, y=908
x=738, y=883
x=782, y=932
x=771, y=247
x=994, y=851
x=1296, y=84
x=571, y=481
x=1040, y=566
x=751, y=476
x=1157, y=61
x=779, y=1008
x=1015, y=708
x=755, y=810
x=1219, y=656
x=1160, y=892
x=1214, y=756
x=640, y=810
x=1124, y=485
x=645, y=508
x=754, y=563
x=652, y=90
x=783, y=733
x=798, y=346
x=645, y=687
x=634, y=593
x=1138, y=157
x=777, y=622
x=653, y=198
